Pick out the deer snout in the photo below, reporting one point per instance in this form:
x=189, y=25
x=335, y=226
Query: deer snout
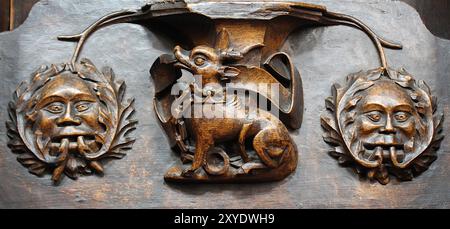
x=183, y=59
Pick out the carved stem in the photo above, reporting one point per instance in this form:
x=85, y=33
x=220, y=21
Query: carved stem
x=384, y=42
x=379, y=42
x=81, y=38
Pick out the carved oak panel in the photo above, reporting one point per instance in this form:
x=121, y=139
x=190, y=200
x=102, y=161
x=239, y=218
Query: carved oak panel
x=380, y=122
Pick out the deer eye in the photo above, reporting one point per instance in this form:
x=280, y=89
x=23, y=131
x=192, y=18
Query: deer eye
x=199, y=60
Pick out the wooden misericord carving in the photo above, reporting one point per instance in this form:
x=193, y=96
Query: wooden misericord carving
x=245, y=52
x=220, y=59
x=219, y=49
x=68, y=118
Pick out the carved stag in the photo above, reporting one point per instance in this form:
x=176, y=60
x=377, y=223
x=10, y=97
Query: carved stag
x=212, y=68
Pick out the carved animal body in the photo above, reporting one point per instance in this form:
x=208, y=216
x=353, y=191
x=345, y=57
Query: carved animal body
x=271, y=140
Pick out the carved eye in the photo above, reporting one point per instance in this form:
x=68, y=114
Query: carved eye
x=199, y=60
x=375, y=116
x=401, y=116
x=54, y=108
x=82, y=106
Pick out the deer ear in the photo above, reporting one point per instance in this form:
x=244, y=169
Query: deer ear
x=228, y=72
x=222, y=40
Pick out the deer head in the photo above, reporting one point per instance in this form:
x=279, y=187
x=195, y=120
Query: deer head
x=210, y=62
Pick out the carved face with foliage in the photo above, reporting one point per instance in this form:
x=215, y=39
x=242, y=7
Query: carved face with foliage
x=68, y=119
x=388, y=126
x=385, y=122
x=71, y=113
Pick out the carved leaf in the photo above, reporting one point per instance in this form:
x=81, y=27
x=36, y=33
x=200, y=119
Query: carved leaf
x=352, y=103
x=336, y=91
x=109, y=74
x=125, y=126
x=434, y=102
x=332, y=139
x=328, y=123
x=374, y=75
x=329, y=104
x=349, y=118
x=424, y=87
x=361, y=86
x=343, y=159
x=121, y=91
x=116, y=154
x=405, y=84
x=438, y=121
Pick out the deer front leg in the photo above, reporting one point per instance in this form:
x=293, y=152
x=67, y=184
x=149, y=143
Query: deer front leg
x=203, y=144
x=184, y=150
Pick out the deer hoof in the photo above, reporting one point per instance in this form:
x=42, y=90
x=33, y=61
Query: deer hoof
x=188, y=172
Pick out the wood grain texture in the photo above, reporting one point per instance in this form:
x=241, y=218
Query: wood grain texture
x=20, y=10
x=322, y=55
x=4, y=15
x=434, y=14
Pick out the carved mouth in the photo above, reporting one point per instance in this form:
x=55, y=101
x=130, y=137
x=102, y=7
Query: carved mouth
x=384, y=146
x=72, y=138
x=180, y=65
x=78, y=144
x=389, y=152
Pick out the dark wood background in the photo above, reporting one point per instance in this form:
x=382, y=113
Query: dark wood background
x=14, y=12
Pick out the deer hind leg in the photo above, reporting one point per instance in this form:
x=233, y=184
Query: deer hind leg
x=271, y=146
x=242, y=137
x=202, y=146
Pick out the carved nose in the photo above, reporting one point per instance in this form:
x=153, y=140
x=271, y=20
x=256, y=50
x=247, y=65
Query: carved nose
x=68, y=119
x=388, y=127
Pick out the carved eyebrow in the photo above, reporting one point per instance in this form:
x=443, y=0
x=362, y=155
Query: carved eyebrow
x=50, y=99
x=83, y=97
x=372, y=107
x=403, y=107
